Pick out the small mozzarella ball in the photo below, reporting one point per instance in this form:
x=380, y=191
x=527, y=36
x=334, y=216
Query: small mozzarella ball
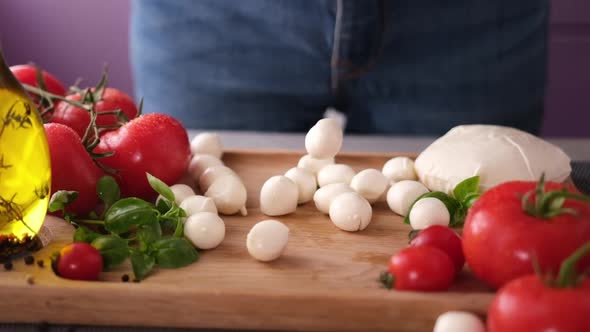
x=196, y=203
x=458, y=321
x=200, y=162
x=350, y=212
x=278, y=196
x=369, y=183
x=211, y=174
x=312, y=164
x=402, y=194
x=429, y=211
x=180, y=191
x=399, y=168
x=229, y=194
x=335, y=173
x=205, y=230
x=267, y=240
x=324, y=139
x=305, y=181
x=207, y=143
x=323, y=197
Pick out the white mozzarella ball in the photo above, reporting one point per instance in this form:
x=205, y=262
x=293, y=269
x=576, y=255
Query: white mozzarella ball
x=458, y=321
x=305, y=181
x=323, y=197
x=278, y=196
x=197, y=203
x=429, y=211
x=267, y=240
x=200, y=162
x=229, y=194
x=324, y=139
x=350, y=212
x=369, y=183
x=207, y=143
x=205, y=230
x=335, y=173
x=180, y=191
x=399, y=168
x=312, y=164
x=402, y=194
x=211, y=174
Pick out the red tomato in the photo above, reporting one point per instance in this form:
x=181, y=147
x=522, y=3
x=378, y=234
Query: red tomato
x=79, y=119
x=27, y=74
x=154, y=143
x=79, y=261
x=422, y=268
x=501, y=241
x=526, y=304
x=443, y=238
x=72, y=168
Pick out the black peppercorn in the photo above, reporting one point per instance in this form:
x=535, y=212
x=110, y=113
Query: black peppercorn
x=125, y=278
x=8, y=265
x=29, y=260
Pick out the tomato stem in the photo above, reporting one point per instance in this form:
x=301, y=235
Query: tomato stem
x=387, y=279
x=549, y=204
x=567, y=272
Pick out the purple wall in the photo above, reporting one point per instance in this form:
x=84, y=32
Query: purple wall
x=73, y=38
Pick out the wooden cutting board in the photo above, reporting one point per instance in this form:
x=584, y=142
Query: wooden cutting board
x=327, y=279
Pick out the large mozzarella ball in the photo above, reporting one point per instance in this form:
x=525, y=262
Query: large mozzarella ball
x=267, y=240
x=350, y=212
x=278, y=196
x=369, y=183
x=323, y=197
x=399, y=168
x=458, y=321
x=195, y=203
x=200, y=162
x=429, y=211
x=181, y=191
x=312, y=164
x=335, y=173
x=229, y=194
x=402, y=194
x=324, y=139
x=205, y=230
x=305, y=181
x=211, y=174
x=207, y=143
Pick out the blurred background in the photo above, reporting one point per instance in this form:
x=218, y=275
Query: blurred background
x=75, y=38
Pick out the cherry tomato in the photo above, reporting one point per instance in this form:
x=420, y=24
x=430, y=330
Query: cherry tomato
x=153, y=143
x=72, y=168
x=502, y=242
x=422, y=268
x=27, y=74
x=79, y=261
x=443, y=238
x=526, y=304
x=79, y=119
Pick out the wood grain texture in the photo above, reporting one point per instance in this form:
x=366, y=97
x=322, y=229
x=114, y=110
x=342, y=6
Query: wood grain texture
x=325, y=281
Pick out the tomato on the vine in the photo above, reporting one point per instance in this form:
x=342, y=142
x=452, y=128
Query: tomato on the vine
x=422, y=268
x=504, y=237
x=443, y=238
x=79, y=119
x=27, y=74
x=153, y=143
x=79, y=261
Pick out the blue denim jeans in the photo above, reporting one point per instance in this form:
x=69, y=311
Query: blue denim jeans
x=394, y=67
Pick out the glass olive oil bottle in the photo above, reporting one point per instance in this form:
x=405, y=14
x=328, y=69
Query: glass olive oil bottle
x=25, y=173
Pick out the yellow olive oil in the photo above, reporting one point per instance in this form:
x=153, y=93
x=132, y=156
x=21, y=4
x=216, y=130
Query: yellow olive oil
x=25, y=173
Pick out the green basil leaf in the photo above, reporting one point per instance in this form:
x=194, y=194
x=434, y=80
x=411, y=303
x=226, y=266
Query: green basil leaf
x=113, y=250
x=160, y=187
x=61, y=199
x=470, y=199
x=179, y=231
x=84, y=234
x=466, y=187
x=451, y=203
x=128, y=212
x=108, y=190
x=163, y=205
x=174, y=253
x=458, y=217
x=142, y=263
x=148, y=233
